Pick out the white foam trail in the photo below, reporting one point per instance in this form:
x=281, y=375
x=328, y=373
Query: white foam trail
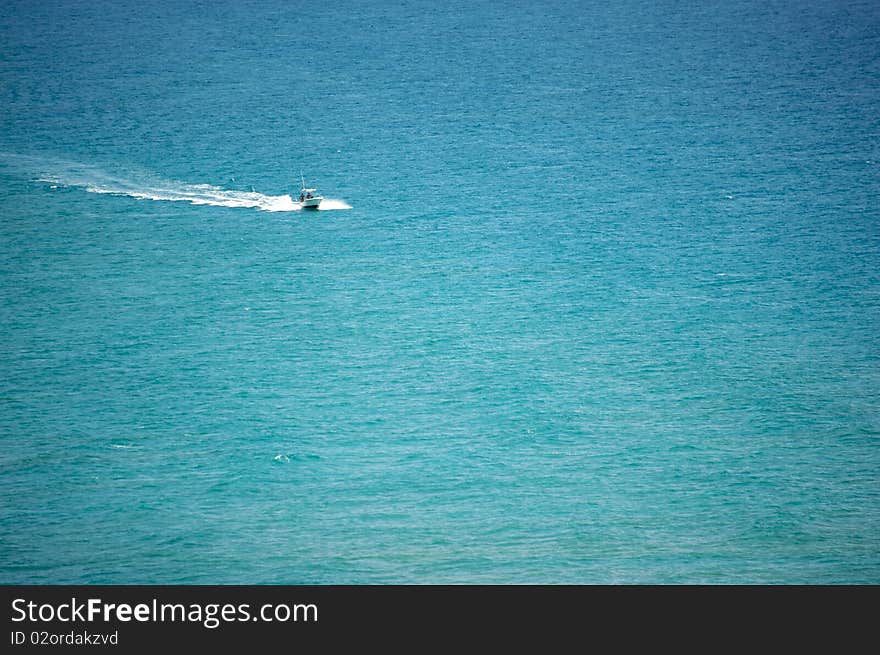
x=147, y=187
x=201, y=194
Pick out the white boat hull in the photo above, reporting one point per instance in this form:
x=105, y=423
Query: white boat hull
x=311, y=203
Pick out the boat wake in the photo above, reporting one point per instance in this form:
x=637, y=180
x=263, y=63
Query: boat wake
x=197, y=194
x=148, y=187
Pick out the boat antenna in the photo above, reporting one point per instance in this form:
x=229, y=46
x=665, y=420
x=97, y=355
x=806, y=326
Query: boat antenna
x=302, y=179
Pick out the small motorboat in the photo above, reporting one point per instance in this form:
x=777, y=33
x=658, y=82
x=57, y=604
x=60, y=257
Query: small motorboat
x=309, y=198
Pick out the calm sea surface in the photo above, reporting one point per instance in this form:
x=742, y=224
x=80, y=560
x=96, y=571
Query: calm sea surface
x=597, y=299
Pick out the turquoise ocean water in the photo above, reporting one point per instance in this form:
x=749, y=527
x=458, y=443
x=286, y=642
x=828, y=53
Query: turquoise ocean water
x=597, y=300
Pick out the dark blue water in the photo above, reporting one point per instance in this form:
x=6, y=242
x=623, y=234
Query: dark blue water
x=597, y=300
